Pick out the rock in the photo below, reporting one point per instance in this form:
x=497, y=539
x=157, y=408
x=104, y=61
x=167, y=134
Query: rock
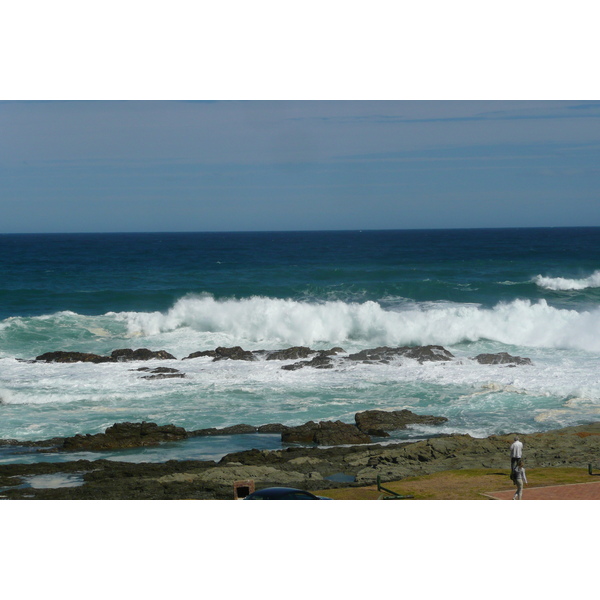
x=126, y=435
x=295, y=366
x=297, y=352
x=325, y=433
x=157, y=370
x=161, y=373
x=321, y=361
x=140, y=354
x=237, y=429
x=428, y=353
x=372, y=422
x=333, y=351
x=231, y=430
x=116, y=356
x=235, y=353
x=207, y=431
x=263, y=476
x=291, y=353
x=272, y=428
x=303, y=467
x=202, y=353
x=71, y=357
x=385, y=354
x=501, y=358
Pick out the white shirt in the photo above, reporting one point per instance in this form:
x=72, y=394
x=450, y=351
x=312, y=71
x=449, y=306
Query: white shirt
x=516, y=449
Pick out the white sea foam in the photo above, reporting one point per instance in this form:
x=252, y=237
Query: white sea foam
x=562, y=284
x=267, y=322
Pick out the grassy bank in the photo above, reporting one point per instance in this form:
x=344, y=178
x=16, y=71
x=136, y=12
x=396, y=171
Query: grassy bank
x=462, y=484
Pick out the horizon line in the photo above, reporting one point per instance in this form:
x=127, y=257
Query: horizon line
x=241, y=231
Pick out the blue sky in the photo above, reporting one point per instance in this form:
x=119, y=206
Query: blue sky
x=71, y=166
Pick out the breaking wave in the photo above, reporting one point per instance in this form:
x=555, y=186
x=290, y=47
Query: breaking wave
x=562, y=284
x=271, y=321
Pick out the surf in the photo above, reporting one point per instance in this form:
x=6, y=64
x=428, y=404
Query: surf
x=273, y=322
x=563, y=284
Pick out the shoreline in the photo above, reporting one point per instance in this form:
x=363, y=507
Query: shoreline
x=311, y=468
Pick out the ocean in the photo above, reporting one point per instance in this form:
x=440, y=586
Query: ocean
x=532, y=293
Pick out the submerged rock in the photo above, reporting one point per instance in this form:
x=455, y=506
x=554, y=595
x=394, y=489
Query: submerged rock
x=501, y=358
x=165, y=376
x=373, y=422
x=161, y=373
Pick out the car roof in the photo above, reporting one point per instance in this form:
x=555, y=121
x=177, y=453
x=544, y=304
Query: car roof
x=278, y=491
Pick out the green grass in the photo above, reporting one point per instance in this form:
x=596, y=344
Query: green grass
x=462, y=484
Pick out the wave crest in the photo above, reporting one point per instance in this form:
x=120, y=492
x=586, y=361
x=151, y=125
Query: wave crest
x=271, y=322
x=562, y=284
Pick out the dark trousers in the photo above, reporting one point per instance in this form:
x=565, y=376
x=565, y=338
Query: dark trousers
x=513, y=462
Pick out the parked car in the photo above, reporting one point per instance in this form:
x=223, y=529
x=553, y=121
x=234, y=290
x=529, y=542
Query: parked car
x=283, y=493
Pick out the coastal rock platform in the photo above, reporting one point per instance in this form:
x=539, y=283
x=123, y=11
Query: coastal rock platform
x=306, y=467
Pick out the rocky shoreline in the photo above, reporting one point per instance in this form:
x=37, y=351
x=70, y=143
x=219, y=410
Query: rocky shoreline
x=355, y=454
x=305, y=467
x=304, y=357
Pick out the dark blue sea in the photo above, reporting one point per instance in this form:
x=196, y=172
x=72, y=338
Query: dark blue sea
x=533, y=293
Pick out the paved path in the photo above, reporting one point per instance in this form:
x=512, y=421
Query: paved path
x=575, y=491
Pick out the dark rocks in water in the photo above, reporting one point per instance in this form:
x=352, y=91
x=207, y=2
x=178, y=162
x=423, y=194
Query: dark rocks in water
x=207, y=431
x=231, y=430
x=325, y=433
x=140, y=354
x=293, y=353
x=71, y=357
x=501, y=358
x=126, y=435
x=221, y=353
x=238, y=353
x=297, y=352
x=272, y=428
x=116, y=356
x=201, y=354
x=235, y=353
x=157, y=370
x=295, y=366
x=382, y=354
x=385, y=354
x=161, y=373
x=321, y=361
x=373, y=422
x=428, y=353
x=240, y=429
x=237, y=429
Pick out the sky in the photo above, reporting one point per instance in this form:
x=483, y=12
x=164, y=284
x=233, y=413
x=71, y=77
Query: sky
x=100, y=166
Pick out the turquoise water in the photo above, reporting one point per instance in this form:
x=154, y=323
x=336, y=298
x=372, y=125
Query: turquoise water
x=529, y=292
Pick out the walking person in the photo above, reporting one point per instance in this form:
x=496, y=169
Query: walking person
x=520, y=479
x=516, y=452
